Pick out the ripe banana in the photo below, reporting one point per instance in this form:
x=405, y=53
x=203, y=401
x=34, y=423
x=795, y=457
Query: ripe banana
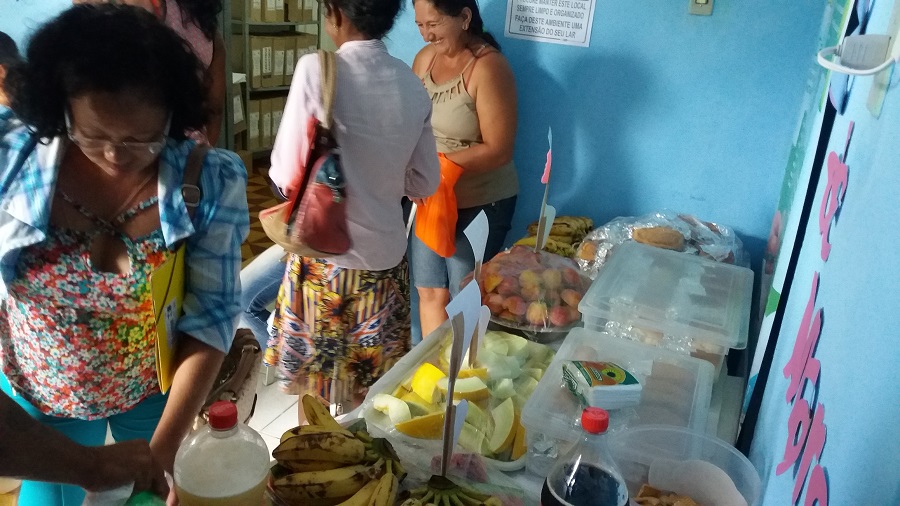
x=311, y=429
x=302, y=466
x=317, y=414
x=386, y=492
x=316, y=487
x=364, y=495
x=325, y=446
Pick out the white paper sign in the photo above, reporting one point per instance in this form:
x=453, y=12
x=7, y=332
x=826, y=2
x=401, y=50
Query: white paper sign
x=468, y=303
x=557, y=21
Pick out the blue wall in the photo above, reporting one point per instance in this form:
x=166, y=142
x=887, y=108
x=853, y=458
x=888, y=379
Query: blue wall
x=663, y=110
x=18, y=18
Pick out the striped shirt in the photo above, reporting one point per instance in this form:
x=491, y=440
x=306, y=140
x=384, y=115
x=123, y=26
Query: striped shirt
x=213, y=238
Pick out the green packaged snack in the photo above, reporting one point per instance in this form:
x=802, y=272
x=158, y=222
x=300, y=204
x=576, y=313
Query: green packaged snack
x=601, y=384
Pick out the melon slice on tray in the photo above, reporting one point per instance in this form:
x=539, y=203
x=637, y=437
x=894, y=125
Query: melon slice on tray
x=506, y=424
x=472, y=389
x=394, y=408
x=423, y=427
x=424, y=382
x=419, y=406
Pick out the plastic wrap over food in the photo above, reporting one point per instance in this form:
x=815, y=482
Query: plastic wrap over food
x=533, y=291
x=664, y=229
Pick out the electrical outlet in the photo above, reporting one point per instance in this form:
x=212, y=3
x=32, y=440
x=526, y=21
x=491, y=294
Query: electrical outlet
x=700, y=7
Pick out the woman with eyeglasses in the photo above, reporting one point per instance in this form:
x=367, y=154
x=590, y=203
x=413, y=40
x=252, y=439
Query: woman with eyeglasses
x=92, y=204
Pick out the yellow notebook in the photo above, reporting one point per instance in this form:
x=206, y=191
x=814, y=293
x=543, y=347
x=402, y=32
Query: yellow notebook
x=167, y=291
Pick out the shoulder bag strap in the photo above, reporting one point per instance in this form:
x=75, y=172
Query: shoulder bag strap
x=190, y=186
x=328, y=66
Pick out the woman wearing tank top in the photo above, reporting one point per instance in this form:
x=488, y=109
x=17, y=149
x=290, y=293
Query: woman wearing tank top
x=473, y=96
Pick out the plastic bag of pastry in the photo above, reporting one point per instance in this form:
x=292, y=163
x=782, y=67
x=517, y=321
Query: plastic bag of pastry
x=533, y=291
x=664, y=229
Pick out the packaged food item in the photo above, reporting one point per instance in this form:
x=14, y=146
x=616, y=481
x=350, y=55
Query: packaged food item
x=533, y=291
x=601, y=384
x=408, y=403
x=587, y=475
x=664, y=229
x=565, y=234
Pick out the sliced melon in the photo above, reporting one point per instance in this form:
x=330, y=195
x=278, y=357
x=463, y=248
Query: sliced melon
x=519, y=444
x=504, y=389
x=471, y=389
x=394, y=408
x=423, y=427
x=506, y=424
x=479, y=372
x=419, y=406
x=424, y=382
x=472, y=439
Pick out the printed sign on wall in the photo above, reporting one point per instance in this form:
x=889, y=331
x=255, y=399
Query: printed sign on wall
x=556, y=21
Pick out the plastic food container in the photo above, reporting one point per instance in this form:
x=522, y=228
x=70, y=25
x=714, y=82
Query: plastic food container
x=677, y=389
x=512, y=365
x=682, y=302
x=637, y=449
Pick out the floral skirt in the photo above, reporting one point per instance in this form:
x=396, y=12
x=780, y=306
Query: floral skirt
x=339, y=330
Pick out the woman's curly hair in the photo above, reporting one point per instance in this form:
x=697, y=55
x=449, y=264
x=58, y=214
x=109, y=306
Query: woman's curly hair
x=204, y=13
x=106, y=48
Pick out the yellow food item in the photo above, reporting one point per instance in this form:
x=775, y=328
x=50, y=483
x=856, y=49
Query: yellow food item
x=519, y=444
x=661, y=237
x=419, y=406
x=506, y=424
x=480, y=372
x=424, y=382
x=423, y=427
x=471, y=389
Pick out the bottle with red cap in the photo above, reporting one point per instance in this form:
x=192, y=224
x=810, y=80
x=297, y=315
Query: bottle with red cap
x=587, y=475
x=223, y=464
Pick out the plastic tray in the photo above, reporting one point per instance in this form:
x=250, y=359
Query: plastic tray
x=677, y=389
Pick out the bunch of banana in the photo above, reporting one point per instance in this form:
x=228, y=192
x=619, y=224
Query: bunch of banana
x=565, y=233
x=325, y=464
x=441, y=491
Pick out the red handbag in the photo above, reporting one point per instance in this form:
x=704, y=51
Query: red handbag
x=313, y=222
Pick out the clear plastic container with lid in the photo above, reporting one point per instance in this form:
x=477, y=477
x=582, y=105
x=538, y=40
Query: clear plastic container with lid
x=681, y=302
x=587, y=475
x=676, y=390
x=223, y=464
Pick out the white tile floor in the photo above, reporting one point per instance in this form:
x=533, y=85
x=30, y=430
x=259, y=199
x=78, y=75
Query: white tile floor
x=275, y=412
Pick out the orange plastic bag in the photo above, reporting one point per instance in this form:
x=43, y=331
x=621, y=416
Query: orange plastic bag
x=436, y=219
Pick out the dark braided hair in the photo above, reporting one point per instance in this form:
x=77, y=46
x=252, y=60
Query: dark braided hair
x=204, y=13
x=476, y=26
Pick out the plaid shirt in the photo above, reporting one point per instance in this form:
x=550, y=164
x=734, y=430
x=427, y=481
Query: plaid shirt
x=213, y=248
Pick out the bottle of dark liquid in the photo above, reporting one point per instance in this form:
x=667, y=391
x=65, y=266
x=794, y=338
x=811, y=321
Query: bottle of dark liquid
x=587, y=476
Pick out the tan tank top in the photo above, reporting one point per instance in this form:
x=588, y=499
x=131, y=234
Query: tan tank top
x=455, y=124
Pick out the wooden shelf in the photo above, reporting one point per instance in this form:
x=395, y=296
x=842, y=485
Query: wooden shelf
x=272, y=88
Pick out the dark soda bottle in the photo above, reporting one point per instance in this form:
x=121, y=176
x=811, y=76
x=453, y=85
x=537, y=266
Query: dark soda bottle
x=587, y=476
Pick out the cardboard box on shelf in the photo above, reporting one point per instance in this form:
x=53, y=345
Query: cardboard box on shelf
x=239, y=10
x=253, y=131
x=306, y=43
x=277, y=112
x=311, y=10
x=270, y=13
x=268, y=63
x=294, y=10
x=237, y=54
x=290, y=59
x=246, y=157
x=279, y=10
x=256, y=10
x=240, y=141
x=256, y=61
x=265, y=114
x=279, y=46
x=237, y=99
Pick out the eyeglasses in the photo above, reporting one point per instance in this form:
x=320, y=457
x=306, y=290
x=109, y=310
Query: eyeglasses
x=98, y=145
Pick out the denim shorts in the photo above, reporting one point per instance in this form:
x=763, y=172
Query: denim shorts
x=430, y=270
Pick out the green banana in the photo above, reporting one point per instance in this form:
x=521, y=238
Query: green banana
x=317, y=486
x=441, y=491
x=326, y=446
